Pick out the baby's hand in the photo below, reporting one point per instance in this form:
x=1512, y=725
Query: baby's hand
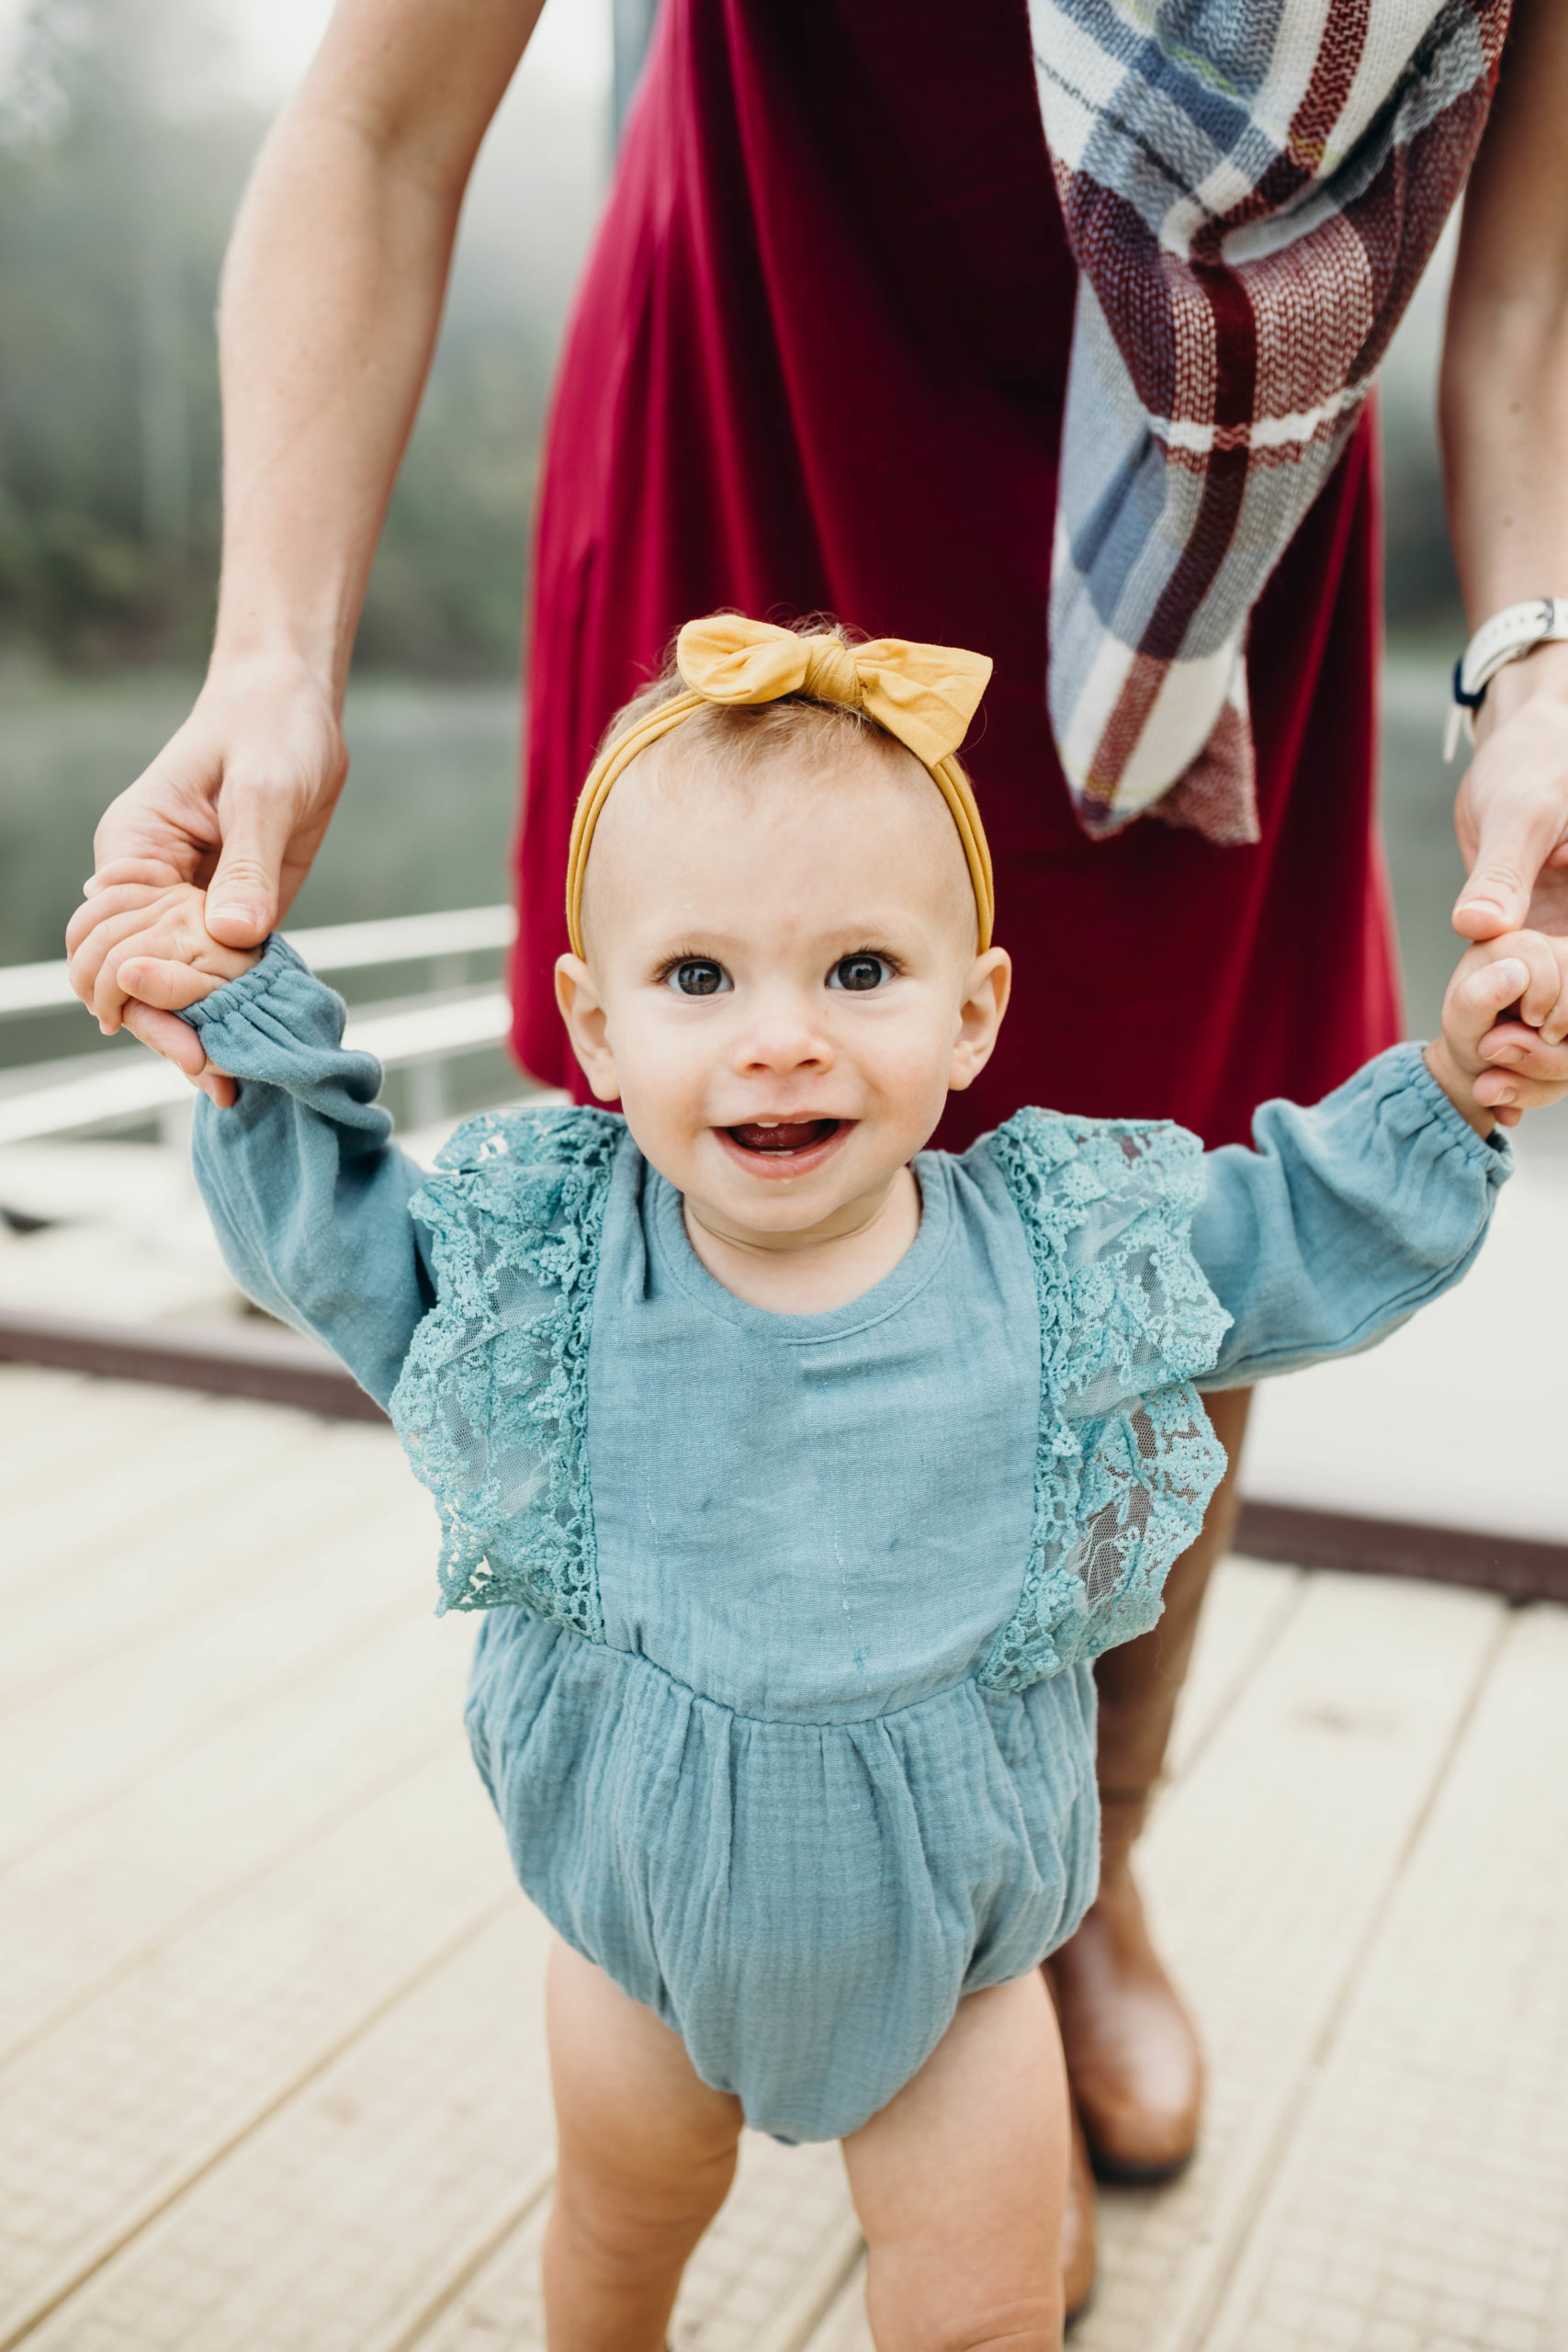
x=1507, y=999
x=144, y=936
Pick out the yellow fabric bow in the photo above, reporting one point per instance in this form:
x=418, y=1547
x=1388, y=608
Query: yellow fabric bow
x=924, y=694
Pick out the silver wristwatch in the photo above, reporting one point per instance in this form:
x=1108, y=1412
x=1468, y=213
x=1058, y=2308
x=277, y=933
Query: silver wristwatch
x=1517, y=629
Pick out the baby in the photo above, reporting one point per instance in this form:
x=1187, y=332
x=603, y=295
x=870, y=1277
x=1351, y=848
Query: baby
x=803, y=1472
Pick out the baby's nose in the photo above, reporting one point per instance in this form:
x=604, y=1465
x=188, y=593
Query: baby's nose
x=783, y=1041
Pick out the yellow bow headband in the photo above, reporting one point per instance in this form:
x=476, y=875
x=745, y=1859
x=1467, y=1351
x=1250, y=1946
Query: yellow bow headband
x=924, y=694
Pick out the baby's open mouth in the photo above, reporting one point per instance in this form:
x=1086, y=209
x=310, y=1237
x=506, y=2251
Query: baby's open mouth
x=777, y=1138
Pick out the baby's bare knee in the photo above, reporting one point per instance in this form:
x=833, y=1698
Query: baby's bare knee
x=627, y=2232
x=619, y=2248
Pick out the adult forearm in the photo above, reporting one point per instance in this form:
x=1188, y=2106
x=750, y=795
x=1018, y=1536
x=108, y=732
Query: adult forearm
x=1505, y=419
x=1504, y=405
x=1504, y=390
x=332, y=299
x=1504, y=411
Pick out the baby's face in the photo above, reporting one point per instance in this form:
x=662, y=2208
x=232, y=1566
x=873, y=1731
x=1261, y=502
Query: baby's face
x=781, y=982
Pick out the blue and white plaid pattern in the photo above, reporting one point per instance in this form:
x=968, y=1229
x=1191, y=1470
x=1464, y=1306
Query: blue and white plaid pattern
x=1251, y=189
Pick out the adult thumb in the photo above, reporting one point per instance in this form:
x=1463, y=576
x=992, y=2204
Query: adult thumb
x=242, y=896
x=1496, y=896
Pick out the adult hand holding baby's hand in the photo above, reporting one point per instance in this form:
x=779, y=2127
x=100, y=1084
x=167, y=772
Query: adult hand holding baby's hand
x=239, y=801
x=1507, y=996
x=142, y=940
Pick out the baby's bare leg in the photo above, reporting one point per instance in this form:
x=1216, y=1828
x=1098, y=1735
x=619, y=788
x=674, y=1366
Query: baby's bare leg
x=960, y=2181
x=647, y=2156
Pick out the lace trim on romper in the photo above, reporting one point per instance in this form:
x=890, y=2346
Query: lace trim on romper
x=1127, y=1459
x=492, y=1401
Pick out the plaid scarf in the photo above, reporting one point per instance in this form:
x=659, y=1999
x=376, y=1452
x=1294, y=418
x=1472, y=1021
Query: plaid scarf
x=1251, y=190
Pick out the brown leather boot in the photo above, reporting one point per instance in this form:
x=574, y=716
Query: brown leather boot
x=1133, y=2055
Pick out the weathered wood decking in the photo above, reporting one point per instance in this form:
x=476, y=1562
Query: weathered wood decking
x=270, y=2061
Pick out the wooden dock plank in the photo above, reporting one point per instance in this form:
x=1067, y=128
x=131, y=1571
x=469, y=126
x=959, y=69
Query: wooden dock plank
x=1423, y=2203
x=88, y=1425
x=1246, y=1610
x=73, y=1748
x=315, y=1481
x=137, y=1485
x=105, y=1893
x=343, y=2224
x=139, y=2092
x=52, y=1421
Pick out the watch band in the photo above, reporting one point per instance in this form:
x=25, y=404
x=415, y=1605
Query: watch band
x=1517, y=629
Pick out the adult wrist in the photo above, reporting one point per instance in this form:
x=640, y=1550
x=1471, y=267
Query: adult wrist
x=1514, y=634
x=1542, y=671
x=280, y=663
x=277, y=624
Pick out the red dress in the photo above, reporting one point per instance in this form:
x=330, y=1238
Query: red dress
x=817, y=365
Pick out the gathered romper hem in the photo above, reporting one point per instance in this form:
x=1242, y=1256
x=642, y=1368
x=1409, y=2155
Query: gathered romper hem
x=804, y=1903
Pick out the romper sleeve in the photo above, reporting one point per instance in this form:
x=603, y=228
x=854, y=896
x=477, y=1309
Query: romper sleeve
x=308, y=1194
x=1342, y=1219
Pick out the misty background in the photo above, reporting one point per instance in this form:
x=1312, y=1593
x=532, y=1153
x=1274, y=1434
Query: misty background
x=127, y=130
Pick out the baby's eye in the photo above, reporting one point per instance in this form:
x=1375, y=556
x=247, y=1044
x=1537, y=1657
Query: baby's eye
x=697, y=977
x=860, y=972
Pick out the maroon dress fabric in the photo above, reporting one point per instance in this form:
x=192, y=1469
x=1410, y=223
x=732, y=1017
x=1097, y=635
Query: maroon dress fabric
x=817, y=365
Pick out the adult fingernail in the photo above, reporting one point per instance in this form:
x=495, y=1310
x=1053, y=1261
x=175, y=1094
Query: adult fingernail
x=232, y=911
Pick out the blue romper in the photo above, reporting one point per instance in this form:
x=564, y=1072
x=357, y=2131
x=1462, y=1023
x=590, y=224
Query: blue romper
x=784, y=1691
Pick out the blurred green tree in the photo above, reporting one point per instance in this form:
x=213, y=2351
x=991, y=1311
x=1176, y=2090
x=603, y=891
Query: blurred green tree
x=113, y=213
x=126, y=135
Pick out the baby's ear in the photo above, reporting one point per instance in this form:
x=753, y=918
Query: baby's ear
x=985, y=993
x=587, y=1025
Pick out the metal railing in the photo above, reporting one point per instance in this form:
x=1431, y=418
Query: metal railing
x=94, y=1091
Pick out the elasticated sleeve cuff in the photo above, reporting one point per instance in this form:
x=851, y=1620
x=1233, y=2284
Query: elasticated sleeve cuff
x=306, y=1193
x=1343, y=1218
